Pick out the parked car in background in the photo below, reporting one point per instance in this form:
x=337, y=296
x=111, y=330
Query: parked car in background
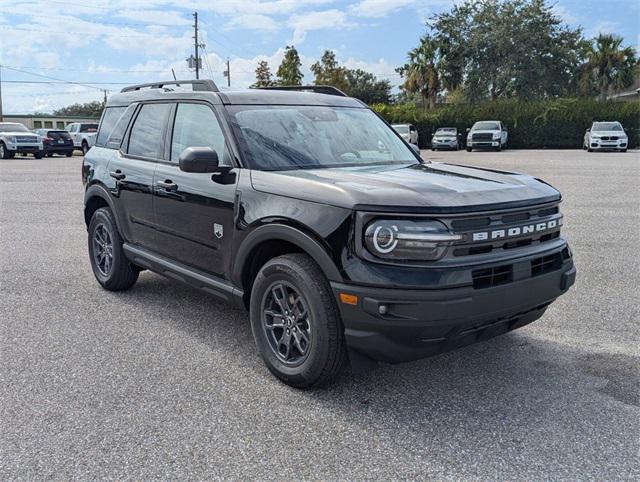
x=56, y=142
x=408, y=132
x=17, y=139
x=605, y=136
x=487, y=135
x=83, y=135
x=446, y=138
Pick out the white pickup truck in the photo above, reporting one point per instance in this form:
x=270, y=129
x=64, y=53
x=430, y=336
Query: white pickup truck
x=83, y=135
x=487, y=135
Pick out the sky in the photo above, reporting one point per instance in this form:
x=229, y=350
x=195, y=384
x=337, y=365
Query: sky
x=106, y=44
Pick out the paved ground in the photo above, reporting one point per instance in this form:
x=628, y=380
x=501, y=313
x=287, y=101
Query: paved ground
x=164, y=381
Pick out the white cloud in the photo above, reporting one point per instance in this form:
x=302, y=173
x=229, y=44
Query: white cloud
x=161, y=17
x=379, y=8
x=308, y=21
x=252, y=22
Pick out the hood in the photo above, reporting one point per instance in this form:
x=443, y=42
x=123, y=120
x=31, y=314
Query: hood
x=433, y=187
x=485, y=131
x=19, y=133
x=609, y=133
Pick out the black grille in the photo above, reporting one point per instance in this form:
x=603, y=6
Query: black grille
x=609, y=138
x=488, y=277
x=26, y=139
x=482, y=136
x=462, y=224
x=546, y=264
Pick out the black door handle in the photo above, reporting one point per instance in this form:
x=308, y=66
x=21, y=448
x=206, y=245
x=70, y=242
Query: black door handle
x=117, y=175
x=168, y=185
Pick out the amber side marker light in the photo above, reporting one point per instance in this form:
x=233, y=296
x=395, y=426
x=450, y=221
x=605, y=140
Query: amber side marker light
x=348, y=299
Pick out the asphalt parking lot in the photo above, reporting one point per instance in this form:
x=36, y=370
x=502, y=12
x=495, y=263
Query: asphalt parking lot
x=164, y=381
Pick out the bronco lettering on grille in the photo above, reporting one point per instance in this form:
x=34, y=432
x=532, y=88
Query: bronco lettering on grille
x=516, y=230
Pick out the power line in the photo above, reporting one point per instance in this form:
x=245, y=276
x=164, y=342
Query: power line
x=52, y=78
x=99, y=71
x=78, y=32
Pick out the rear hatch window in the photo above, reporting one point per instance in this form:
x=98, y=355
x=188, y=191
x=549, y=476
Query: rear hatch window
x=56, y=135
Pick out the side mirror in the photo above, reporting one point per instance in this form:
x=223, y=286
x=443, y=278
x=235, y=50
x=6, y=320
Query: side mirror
x=415, y=148
x=587, y=130
x=199, y=159
x=468, y=129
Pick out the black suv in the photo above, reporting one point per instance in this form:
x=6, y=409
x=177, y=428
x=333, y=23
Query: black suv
x=305, y=207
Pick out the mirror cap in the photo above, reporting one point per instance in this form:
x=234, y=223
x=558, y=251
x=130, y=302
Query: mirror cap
x=199, y=159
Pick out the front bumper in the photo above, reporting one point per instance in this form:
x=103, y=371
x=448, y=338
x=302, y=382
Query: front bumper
x=24, y=147
x=399, y=325
x=58, y=148
x=444, y=144
x=598, y=144
x=483, y=144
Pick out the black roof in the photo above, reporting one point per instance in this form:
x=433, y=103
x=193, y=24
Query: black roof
x=240, y=97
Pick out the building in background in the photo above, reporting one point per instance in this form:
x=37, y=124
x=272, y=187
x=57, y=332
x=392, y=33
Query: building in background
x=44, y=121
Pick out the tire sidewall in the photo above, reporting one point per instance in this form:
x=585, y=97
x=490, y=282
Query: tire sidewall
x=311, y=368
x=103, y=216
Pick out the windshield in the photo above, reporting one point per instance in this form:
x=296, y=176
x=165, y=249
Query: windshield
x=11, y=127
x=606, y=126
x=486, y=126
x=401, y=129
x=311, y=137
x=446, y=131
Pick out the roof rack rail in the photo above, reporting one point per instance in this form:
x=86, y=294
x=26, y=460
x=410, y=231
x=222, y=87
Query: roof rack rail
x=196, y=85
x=318, y=89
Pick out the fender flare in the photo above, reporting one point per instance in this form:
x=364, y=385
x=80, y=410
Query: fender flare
x=290, y=234
x=98, y=190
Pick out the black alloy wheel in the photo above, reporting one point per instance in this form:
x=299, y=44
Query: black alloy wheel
x=286, y=323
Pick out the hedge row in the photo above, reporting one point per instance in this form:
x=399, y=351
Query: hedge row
x=556, y=124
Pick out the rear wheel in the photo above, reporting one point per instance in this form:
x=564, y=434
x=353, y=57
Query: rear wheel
x=69, y=154
x=296, y=323
x=85, y=148
x=108, y=262
x=39, y=155
x=469, y=149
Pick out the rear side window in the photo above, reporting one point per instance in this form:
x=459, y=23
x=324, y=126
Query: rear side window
x=89, y=127
x=114, y=139
x=147, y=134
x=108, y=122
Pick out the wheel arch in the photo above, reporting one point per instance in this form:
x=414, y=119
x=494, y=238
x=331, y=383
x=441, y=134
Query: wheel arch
x=269, y=241
x=95, y=198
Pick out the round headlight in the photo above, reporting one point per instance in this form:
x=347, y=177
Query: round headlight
x=408, y=239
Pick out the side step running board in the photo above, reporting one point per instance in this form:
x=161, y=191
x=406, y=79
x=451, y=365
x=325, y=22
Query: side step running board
x=174, y=270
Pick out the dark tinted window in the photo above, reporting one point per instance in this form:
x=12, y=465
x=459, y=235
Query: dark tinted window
x=114, y=140
x=108, y=122
x=196, y=126
x=93, y=127
x=146, y=139
x=55, y=135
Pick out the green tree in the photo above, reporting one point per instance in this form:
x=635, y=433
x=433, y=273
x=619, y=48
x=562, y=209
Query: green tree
x=506, y=48
x=264, y=77
x=289, y=70
x=608, y=66
x=90, y=109
x=421, y=73
x=366, y=87
x=328, y=72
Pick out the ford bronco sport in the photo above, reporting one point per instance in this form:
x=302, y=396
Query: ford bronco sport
x=305, y=207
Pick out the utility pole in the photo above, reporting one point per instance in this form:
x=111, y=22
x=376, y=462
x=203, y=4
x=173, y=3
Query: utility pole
x=1, y=118
x=195, y=29
x=105, y=96
x=228, y=73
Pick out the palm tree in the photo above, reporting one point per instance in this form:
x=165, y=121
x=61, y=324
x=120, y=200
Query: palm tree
x=609, y=65
x=421, y=72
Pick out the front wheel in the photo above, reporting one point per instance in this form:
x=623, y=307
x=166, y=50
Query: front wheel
x=39, y=155
x=469, y=149
x=623, y=150
x=295, y=322
x=4, y=152
x=108, y=262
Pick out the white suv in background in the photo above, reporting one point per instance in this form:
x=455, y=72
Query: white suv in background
x=83, y=135
x=487, y=135
x=408, y=132
x=605, y=135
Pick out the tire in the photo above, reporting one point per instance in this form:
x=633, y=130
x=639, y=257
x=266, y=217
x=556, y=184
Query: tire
x=120, y=274
x=4, y=152
x=623, y=150
x=69, y=154
x=301, y=364
x=38, y=155
x=433, y=148
x=589, y=149
x=469, y=149
x=499, y=148
x=85, y=148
